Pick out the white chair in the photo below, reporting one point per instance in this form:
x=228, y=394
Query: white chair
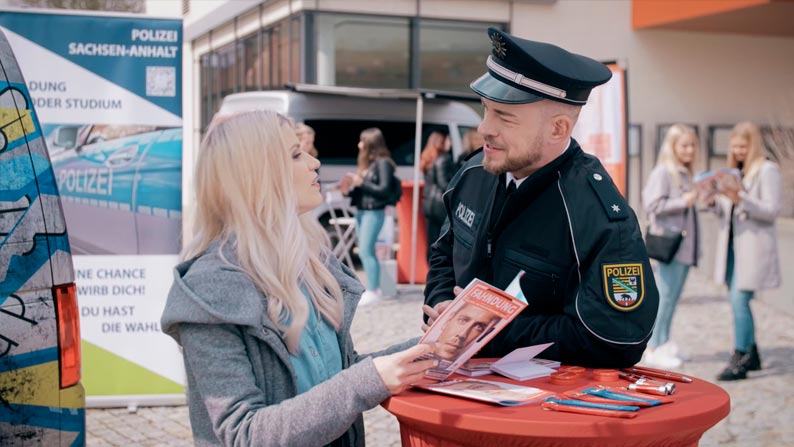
x=344, y=226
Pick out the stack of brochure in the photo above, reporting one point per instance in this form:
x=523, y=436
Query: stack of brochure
x=520, y=364
x=488, y=391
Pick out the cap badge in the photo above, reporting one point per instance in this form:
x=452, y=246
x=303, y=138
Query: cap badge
x=499, y=46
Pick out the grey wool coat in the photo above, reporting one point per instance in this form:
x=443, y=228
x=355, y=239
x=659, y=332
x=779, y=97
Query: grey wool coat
x=756, y=262
x=240, y=381
x=664, y=205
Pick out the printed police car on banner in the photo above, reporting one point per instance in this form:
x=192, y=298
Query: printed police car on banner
x=624, y=285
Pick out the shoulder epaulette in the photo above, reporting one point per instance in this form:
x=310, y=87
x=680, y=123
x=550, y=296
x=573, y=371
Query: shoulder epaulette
x=614, y=204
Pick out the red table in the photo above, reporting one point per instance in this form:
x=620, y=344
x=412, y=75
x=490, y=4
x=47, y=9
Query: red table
x=430, y=419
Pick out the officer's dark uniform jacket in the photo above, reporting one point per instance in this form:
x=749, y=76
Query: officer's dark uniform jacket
x=579, y=243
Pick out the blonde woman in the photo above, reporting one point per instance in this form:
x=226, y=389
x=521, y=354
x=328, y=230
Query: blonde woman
x=669, y=198
x=262, y=308
x=746, y=255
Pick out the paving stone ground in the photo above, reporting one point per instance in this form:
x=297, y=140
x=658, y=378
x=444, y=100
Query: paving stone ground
x=762, y=407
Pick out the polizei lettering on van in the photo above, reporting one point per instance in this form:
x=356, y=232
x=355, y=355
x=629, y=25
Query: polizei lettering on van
x=90, y=181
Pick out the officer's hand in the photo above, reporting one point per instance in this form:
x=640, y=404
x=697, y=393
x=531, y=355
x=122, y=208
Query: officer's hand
x=433, y=312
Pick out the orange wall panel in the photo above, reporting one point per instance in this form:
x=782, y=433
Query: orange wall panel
x=650, y=13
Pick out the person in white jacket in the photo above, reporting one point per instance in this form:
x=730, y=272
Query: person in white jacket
x=746, y=254
x=669, y=198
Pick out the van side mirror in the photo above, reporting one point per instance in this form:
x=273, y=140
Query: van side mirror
x=66, y=136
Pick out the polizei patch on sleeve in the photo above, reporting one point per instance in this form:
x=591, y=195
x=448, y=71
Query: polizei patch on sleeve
x=624, y=285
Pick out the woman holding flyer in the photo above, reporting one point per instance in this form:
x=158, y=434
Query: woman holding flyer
x=669, y=198
x=746, y=256
x=262, y=308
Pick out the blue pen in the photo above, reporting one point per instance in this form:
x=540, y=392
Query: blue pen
x=618, y=396
x=580, y=403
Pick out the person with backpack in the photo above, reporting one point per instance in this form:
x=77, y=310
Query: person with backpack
x=371, y=189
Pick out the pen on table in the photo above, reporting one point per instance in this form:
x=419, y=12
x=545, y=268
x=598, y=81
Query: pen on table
x=659, y=374
x=641, y=382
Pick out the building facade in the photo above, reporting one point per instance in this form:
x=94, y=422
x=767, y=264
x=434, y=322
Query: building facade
x=706, y=68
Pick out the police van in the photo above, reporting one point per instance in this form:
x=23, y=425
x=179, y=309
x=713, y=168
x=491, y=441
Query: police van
x=339, y=114
x=42, y=401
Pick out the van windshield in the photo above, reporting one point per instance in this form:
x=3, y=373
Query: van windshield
x=337, y=140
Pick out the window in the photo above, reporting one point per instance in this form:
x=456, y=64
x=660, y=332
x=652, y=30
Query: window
x=227, y=66
x=251, y=71
x=337, y=140
x=295, y=50
x=210, y=86
x=267, y=65
x=281, y=60
x=205, y=89
x=452, y=54
x=362, y=51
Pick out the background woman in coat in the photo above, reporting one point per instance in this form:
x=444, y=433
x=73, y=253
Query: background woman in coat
x=438, y=168
x=668, y=199
x=746, y=256
x=262, y=308
x=369, y=192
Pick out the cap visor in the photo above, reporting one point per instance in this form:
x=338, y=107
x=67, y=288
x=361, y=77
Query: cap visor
x=491, y=88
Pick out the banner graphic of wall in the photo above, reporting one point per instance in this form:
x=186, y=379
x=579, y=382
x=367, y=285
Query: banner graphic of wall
x=108, y=94
x=601, y=129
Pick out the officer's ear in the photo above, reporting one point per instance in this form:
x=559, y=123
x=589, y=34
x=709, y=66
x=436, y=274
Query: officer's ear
x=561, y=128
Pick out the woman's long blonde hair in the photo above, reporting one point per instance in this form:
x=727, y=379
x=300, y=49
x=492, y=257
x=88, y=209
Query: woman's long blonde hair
x=757, y=153
x=667, y=156
x=246, y=197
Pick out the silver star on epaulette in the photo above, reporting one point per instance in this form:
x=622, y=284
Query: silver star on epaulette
x=615, y=208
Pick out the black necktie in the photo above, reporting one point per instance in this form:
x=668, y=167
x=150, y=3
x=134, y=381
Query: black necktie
x=511, y=188
x=499, y=201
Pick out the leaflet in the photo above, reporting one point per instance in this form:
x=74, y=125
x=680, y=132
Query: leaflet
x=519, y=365
x=482, y=367
x=476, y=315
x=505, y=394
x=711, y=182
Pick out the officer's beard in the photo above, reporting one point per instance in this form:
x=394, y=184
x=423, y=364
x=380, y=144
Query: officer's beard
x=515, y=161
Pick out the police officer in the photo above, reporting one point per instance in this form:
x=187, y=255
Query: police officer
x=532, y=200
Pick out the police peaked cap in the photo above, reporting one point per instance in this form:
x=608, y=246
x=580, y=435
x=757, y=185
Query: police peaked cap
x=522, y=71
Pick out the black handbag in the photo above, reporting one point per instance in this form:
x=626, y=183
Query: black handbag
x=663, y=247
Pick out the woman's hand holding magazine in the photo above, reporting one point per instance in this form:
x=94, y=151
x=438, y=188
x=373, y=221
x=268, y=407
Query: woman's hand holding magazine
x=399, y=370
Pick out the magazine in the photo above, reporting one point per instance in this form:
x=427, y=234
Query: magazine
x=711, y=182
x=488, y=391
x=476, y=315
